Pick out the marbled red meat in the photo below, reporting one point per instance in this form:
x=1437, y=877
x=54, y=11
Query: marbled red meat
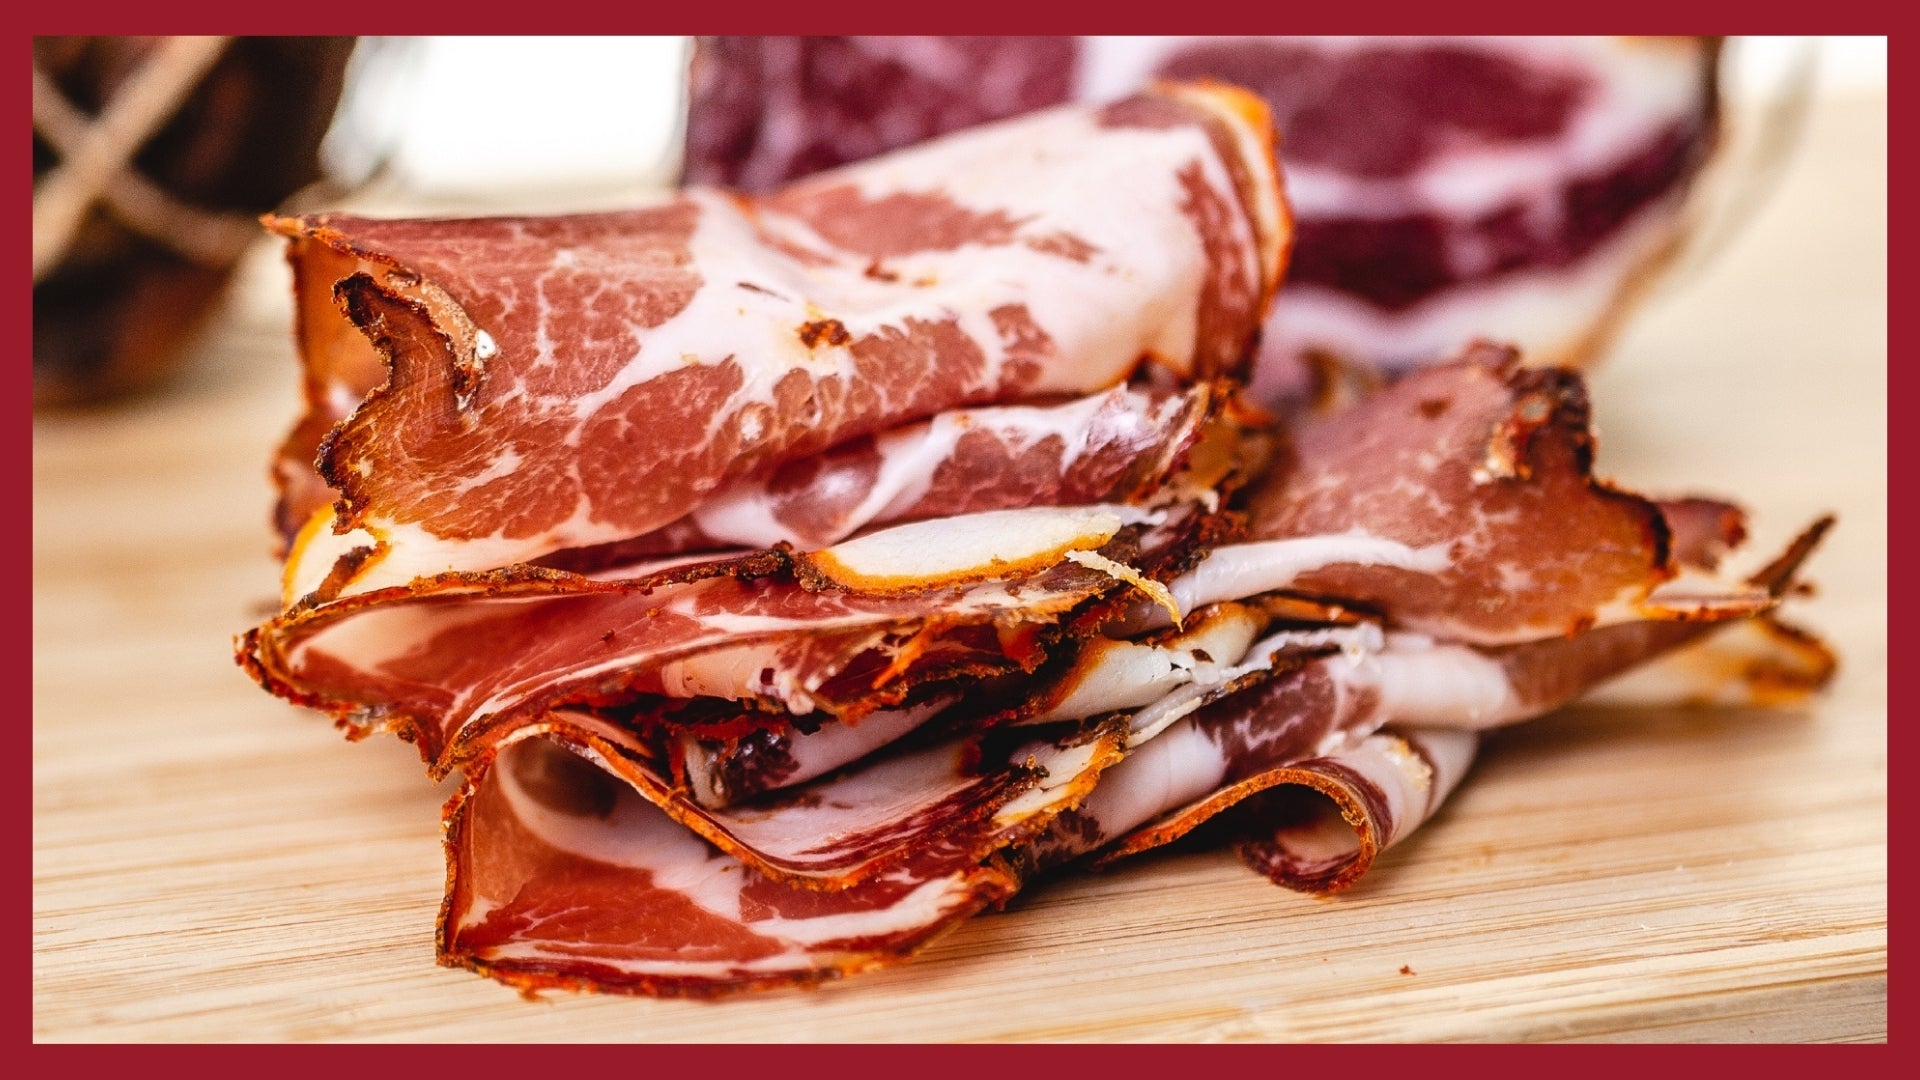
x=1115, y=446
x=1448, y=188
x=1387, y=112
x=562, y=878
x=1489, y=466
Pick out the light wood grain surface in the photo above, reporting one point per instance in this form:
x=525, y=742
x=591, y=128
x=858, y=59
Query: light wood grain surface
x=211, y=864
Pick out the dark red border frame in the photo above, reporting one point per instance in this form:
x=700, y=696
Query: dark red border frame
x=1029, y=16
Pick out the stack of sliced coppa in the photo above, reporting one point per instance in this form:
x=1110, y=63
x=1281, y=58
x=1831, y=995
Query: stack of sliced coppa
x=790, y=577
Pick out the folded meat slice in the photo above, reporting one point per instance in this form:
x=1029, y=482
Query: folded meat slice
x=456, y=668
x=1355, y=748
x=974, y=797
x=555, y=383
x=1319, y=823
x=568, y=865
x=1375, y=735
x=1120, y=445
x=562, y=877
x=1460, y=502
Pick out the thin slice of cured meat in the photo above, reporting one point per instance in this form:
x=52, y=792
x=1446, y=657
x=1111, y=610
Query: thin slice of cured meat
x=564, y=878
x=553, y=383
x=1320, y=823
x=1120, y=445
x=1471, y=484
x=1461, y=502
x=453, y=670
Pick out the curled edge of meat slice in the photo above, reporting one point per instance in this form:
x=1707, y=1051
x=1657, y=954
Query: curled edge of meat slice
x=515, y=649
x=1484, y=467
x=549, y=904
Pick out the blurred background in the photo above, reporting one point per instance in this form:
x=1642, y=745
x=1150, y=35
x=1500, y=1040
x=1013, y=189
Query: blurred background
x=280, y=893
x=154, y=156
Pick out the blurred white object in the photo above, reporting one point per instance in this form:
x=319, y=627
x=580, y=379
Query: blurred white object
x=1768, y=86
x=505, y=119
x=1844, y=65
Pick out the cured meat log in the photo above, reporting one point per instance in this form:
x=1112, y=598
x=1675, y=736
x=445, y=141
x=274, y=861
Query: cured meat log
x=789, y=578
x=1526, y=189
x=766, y=110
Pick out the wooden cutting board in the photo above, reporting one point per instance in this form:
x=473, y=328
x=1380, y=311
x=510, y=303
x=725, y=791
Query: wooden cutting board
x=212, y=864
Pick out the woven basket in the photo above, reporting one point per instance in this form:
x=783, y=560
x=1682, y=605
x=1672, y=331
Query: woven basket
x=152, y=158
